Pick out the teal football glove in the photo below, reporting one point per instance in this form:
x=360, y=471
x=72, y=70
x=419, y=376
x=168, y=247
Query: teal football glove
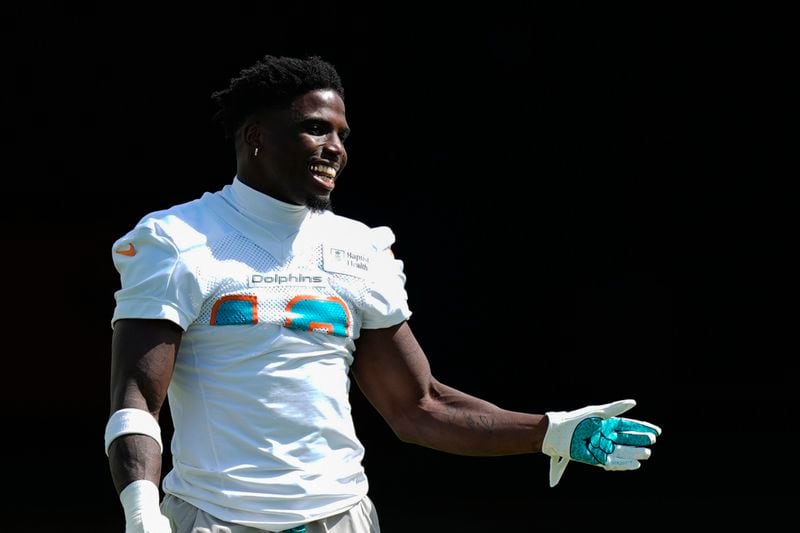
x=595, y=435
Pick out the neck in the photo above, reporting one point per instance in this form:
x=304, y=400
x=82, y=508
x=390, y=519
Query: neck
x=249, y=174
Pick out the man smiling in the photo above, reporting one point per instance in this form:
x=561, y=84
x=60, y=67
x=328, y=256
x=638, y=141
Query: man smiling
x=251, y=307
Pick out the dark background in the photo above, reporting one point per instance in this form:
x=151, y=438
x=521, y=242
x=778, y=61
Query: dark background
x=591, y=201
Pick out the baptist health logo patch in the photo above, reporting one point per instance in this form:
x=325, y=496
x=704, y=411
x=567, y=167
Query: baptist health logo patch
x=344, y=261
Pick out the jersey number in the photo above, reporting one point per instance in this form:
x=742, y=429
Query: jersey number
x=312, y=313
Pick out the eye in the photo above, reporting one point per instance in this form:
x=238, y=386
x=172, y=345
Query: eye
x=316, y=127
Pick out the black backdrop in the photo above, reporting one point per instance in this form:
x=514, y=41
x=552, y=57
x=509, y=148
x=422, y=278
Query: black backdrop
x=589, y=202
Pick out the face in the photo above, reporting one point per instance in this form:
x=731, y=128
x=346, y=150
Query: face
x=302, y=150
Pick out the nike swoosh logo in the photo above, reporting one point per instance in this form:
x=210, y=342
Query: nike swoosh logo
x=130, y=251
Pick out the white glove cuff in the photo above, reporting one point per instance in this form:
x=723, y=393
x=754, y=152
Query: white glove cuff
x=140, y=498
x=555, y=443
x=127, y=421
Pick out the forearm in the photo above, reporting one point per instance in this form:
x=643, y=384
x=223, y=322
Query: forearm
x=135, y=462
x=452, y=421
x=134, y=457
x=143, y=358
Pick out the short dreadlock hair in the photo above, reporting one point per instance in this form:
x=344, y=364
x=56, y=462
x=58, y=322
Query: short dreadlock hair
x=271, y=82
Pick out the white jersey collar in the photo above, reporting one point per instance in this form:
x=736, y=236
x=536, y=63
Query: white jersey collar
x=264, y=207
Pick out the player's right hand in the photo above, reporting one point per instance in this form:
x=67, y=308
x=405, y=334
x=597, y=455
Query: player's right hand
x=142, y=511
x=148, y=523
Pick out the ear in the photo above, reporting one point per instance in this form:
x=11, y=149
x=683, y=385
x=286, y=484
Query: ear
x=253, y=136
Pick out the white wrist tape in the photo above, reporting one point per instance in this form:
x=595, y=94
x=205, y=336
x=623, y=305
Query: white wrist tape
x=128, y=421
x=140, y=502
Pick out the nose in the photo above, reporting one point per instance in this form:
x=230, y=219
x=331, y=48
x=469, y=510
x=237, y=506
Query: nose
x=333, y=149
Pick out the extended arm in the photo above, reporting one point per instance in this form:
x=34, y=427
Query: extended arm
x=394, y=374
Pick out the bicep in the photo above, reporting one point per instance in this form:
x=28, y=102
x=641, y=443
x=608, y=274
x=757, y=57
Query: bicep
x=391, y=370
x=142, y=360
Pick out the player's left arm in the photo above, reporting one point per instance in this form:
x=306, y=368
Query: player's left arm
x=394, y=374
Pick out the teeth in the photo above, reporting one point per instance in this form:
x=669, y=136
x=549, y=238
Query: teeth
x=325, y=170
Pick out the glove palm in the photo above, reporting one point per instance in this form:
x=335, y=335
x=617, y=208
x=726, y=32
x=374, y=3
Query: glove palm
x=596, y=435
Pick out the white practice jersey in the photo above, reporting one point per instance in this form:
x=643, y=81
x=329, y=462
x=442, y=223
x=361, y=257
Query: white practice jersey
x=270, y=297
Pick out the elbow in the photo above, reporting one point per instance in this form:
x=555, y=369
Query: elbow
x=413, y=419
x=409, y=425
x=132, y=394
x=405, y=429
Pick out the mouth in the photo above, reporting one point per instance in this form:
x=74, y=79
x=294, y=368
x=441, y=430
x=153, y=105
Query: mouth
x=324, y=174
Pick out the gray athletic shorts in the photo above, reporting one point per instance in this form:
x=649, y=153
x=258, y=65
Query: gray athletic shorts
x=186, y=518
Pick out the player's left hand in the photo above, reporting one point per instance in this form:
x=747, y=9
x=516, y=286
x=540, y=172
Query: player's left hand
x=596, y=435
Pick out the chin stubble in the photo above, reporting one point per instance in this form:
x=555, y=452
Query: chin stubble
x=319, y=204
